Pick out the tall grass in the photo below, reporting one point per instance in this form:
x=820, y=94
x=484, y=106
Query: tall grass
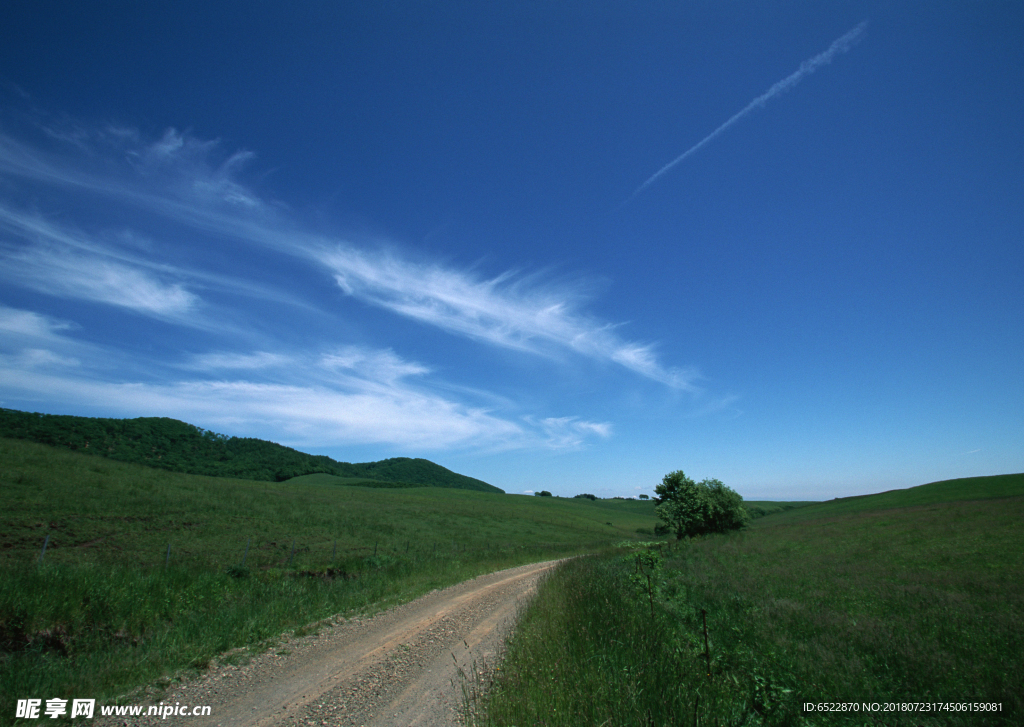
x=98, y=510
x=106, y=611
x=915, y=605
x=588, y=653
x=93, y=630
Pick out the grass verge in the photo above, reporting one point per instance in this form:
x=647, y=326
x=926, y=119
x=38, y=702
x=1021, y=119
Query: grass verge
x=919, y=604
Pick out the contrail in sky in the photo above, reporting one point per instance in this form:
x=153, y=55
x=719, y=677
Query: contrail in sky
x=806, y=68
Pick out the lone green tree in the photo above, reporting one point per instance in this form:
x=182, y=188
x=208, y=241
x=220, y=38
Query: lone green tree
x=697, y=508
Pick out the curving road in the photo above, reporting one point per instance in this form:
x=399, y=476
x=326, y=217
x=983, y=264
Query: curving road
x=396, y=669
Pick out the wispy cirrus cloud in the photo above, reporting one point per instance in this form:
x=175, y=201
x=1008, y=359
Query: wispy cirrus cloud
x=31, y=340
x=34, y=359
x=175, y=174
x=506, y=311
x=180, y=164
x=352, y=395
x=121, y=268
x=17, y=324
x=373, y=365
x=299, y=415
x=572, y=432
x=104, y=281
x=177, y=177
x=57, y=262
x=239, y=361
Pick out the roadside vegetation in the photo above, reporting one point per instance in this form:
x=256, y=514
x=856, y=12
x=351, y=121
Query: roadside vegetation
x=148, y=574
x=690, y=509
x=908, y=596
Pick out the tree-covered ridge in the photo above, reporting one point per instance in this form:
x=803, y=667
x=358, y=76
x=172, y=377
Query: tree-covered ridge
x=181, y=447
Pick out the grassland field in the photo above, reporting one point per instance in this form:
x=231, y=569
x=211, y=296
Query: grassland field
x=911, y=596
x=106, y=610
x=906, y=600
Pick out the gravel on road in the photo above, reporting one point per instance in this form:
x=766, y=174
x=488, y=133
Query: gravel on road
x=405, y=666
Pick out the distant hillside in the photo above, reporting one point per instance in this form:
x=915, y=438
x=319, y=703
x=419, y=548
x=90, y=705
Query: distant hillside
x=322, y=478
x=962, y=489
x=761, y=508
x=181, y=447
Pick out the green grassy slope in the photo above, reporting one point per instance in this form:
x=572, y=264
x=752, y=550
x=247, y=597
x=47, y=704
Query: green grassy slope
x=761, y=508
x=869, y=603
x=322, y=478
x=180, y=447
x=107, y=610
x=966, y=488
x=420, y=472
x=101, y=509
x=325, y=478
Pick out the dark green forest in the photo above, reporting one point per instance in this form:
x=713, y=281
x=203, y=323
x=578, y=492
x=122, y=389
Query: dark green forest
x=181, y=447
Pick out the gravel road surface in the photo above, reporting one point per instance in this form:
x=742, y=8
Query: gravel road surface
x=396, y=669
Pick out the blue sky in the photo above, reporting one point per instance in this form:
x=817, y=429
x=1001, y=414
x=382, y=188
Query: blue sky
x=438, y=230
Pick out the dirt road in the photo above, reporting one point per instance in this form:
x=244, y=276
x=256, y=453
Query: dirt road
x=396, y=669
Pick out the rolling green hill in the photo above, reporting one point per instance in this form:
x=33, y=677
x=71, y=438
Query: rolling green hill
x=148, y=573
x=322, y=478
x=100, y=510
x=896, y=601
x=181, y=447
x=761, y=508
x=962, y=489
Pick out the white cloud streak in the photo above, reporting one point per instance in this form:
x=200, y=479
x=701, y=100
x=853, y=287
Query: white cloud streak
x=840, y=45
x=502, y=311
x=23, y=324
x=298, y=415
x=104, y=281
x=36, y=358
x=347, y=396
x=370, y=405
x=60, y=263
x=571, y=432
x=375, y=365
x=173, y=177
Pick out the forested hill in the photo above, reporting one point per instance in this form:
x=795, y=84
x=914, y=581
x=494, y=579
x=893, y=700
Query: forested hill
x=180, y=447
